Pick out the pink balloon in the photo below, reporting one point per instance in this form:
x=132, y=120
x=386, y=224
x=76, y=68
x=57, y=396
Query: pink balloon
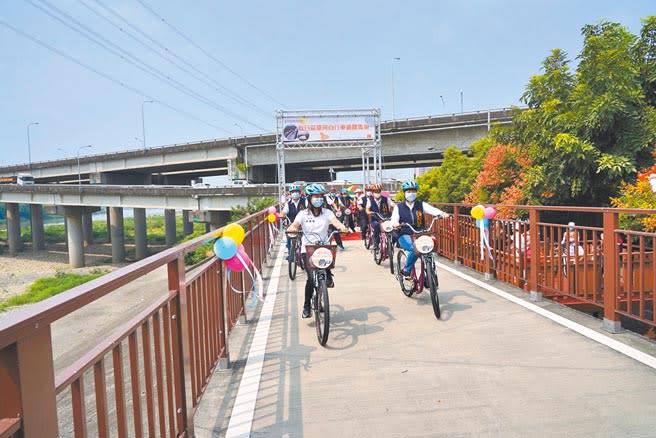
x=272, y=210
x=490, y=212
x=277, y=214
x=234, y=264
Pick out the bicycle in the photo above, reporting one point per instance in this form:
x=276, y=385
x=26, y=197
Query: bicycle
x=423, y=244
x=385, y=250
x=321, y=257
x=294, y=257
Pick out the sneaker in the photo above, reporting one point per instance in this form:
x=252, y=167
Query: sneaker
x=306, y=312
x=406, y=275
x=341, y=247
x=330, y=283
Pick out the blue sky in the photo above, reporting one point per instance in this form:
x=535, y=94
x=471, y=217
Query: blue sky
x=304, y=54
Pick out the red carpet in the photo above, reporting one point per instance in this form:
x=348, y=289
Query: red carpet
x=351, y=236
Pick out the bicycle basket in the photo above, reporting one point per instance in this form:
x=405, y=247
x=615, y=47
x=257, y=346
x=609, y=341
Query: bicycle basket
x=321, y=256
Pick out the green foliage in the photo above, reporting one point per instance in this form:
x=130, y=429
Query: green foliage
x=47, y=287
x=453, y=179
x=253, y=206
x=201, y=253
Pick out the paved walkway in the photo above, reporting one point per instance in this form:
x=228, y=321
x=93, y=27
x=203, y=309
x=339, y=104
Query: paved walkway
x=489, y=367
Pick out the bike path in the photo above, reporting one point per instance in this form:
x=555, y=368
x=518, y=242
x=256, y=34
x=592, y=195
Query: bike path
x=489, y=367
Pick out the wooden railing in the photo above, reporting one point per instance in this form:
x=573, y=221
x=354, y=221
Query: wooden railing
x=604, y=267
x=149, y=375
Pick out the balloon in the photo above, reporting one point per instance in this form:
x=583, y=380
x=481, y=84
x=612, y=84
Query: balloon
x=486, y=222
x=478, y=212
x=271, y=218
x=235, y=232
x=278, y=215
x=271, y=210
x=490, y=212
x=235, y=264
x=225, y=248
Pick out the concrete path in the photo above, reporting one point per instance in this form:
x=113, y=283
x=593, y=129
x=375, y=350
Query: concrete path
x=489, y=367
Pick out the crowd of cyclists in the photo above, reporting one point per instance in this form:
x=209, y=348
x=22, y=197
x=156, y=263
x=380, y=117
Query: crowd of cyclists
x=316, y=211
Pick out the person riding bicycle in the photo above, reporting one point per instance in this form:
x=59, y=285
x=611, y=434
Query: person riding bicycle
x=363, y=219
x=346, y=202
x=411, y=213
x=332, y=203
x=378, y=205
x=314, y=222
x=293, y=206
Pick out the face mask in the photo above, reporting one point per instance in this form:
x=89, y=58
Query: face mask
x=317, y=202
x=410, y=196
x=377, y=195
x=296, y=195
x=368, y=193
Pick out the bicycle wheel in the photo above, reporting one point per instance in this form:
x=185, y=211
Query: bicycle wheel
x=378, y=254
x=400, y=263
x=322, y=311
x=291, y=260
x=390, y=253
x=368, y=239
x=431, y=276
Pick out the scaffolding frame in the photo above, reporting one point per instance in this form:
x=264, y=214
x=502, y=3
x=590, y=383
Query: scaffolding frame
x=371, y=150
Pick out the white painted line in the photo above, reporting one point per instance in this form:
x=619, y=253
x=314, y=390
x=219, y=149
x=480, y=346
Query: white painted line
x=241, y=419
x=633, y=353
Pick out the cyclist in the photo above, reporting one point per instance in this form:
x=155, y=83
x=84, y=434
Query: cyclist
x=412, y=213
x=378, y=204
x=361, y=202
x=332, y=202
x=314, y=221
x=346, y=202
x=293, y=206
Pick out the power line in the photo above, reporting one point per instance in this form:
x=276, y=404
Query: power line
x=209, y=55
x=108, y=77
x=135, y=61
x=209, y=81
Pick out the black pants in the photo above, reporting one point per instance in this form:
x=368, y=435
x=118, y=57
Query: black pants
x=338, y=238
x=376, y=226
x=364, y=223
x=309, y=284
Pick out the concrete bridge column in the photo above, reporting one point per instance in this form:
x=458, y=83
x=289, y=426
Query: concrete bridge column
x=117, y=234
x=219, y=219
x=13, y=228
x=87, y=228
x=36, y=224
x=109, y=234
x=140, y=233
x=208, y=227
x=169, y=226
x=74, y=236
x=187, y=225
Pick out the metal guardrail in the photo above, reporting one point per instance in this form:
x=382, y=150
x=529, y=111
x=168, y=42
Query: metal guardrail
x=171, y=349
x=611, y=269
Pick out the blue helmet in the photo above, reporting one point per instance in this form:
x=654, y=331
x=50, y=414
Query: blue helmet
x=294, y=187
x=315, y=189
x=344, y=191
x=410, y=185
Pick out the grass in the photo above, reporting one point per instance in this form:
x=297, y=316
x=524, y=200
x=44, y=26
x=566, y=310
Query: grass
x=47, y=287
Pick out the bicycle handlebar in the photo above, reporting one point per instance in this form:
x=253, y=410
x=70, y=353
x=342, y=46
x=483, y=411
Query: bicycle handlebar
x=420, y=231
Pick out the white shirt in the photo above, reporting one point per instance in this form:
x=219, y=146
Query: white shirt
x=314, y=227
x=433, y=211
x=378, y=201
x=286, y=207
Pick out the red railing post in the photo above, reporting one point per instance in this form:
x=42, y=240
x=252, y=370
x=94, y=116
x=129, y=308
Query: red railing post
x=534, y=245
x=456, y=235
x=181, y=340
x=611, y=272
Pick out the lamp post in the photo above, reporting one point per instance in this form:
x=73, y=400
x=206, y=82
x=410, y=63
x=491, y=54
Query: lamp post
x=143, y=121
x=29, y=146
x=240, y=128
x=461, y=103
x=393, y=93
x=79, y=178
x=62, y=151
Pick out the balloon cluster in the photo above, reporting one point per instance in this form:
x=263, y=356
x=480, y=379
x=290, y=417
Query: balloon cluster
x=482, y=213
x=229, y=247
x=273, y=215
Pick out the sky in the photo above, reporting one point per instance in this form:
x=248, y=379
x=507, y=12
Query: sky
x=234, y=63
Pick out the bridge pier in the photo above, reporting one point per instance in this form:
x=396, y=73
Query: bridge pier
x=13, y=228
x=75, y=236
x=187, y=225
x=117, y=234
x=140, y=233
x=108, y=222
x=36, y=225
x=219, y=219
x=169, y=226
x=87, y=227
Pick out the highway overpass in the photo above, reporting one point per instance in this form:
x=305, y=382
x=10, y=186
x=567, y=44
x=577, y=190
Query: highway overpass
x=405, y=143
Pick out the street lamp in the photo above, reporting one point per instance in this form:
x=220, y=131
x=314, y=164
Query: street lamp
x=62, y=151
x=239, y=126
x=393, y=94
x=143, y=121
x=29, y=148
x=79, y=178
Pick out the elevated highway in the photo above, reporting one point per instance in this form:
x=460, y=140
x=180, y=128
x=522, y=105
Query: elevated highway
x=406, y=143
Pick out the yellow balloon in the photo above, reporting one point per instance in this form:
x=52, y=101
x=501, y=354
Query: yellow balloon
x=271, y=218
x=235, y=232
x=478, y=212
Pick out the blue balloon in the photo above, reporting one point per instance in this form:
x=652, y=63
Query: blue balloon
x=486, y=222
x=225, y=248
x=478, y=222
